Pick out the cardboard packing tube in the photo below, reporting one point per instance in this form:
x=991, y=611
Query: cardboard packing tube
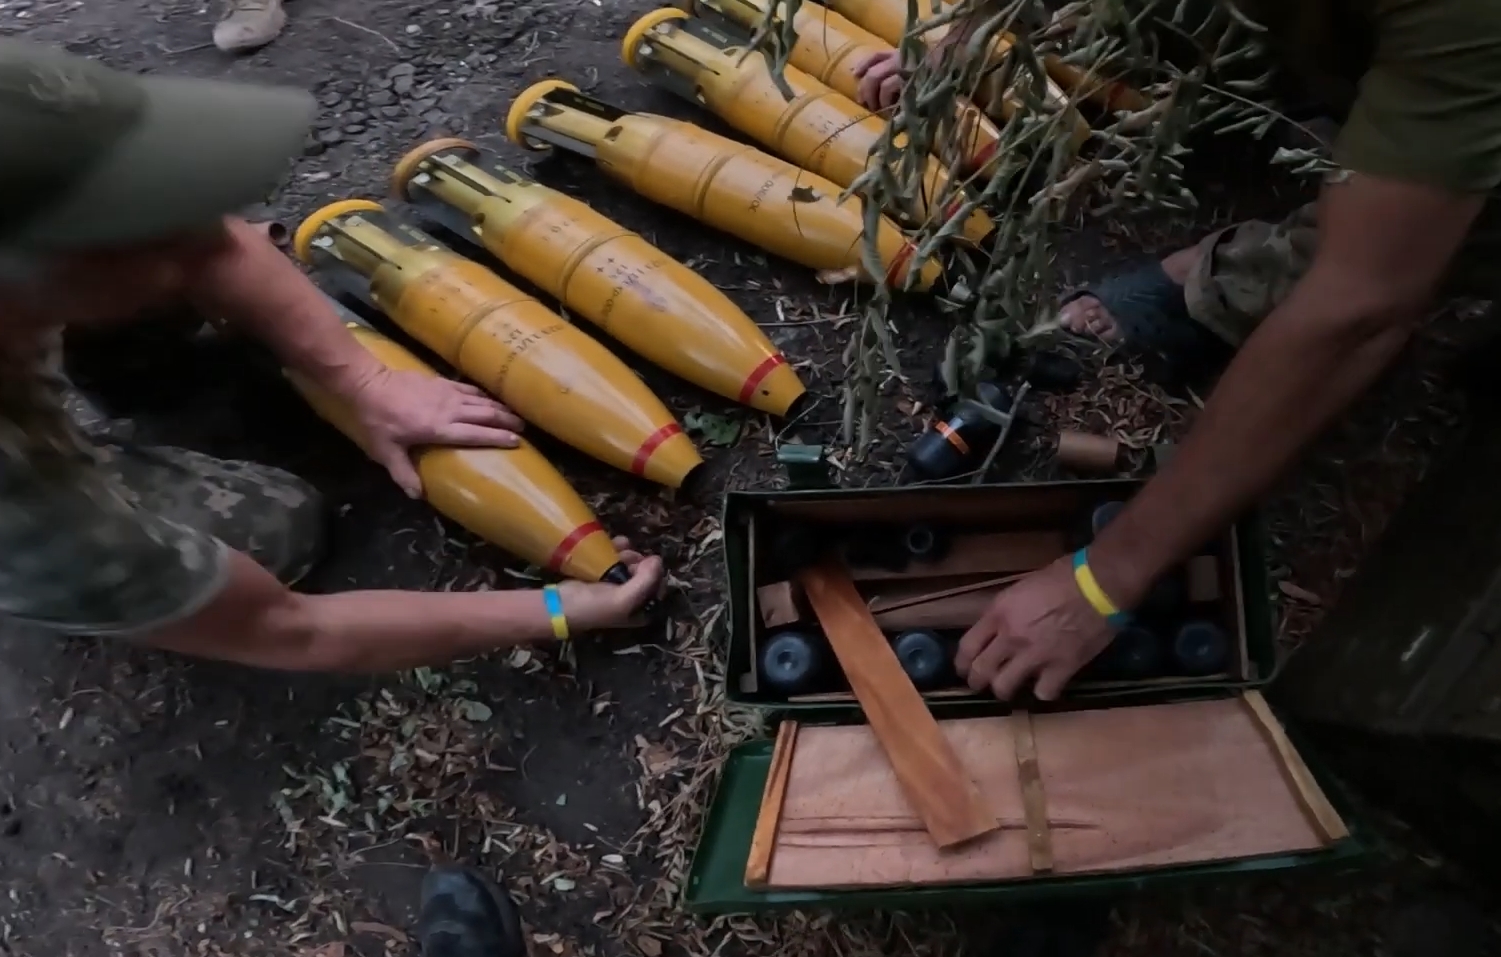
x=1085, y=452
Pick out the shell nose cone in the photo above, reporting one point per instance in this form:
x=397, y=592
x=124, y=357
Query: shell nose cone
x=777, y=393
x=672, y=462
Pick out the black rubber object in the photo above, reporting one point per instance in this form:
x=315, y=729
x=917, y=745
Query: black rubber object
x=963, y=440
x=1134, y=654
x=792, y=662
x=926, y=658
x=1201, y=648
x=924, y=542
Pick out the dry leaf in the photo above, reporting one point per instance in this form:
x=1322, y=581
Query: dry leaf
x=333, y=949
x=658, y=759
x=649, y=946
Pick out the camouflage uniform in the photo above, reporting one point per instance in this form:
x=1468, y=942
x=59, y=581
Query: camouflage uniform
x=100, y=536
x=106, y=537
x=1419, y=82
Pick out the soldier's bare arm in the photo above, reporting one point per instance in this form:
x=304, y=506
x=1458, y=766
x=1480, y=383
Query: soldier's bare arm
x=1383, y=248
x=254, y=620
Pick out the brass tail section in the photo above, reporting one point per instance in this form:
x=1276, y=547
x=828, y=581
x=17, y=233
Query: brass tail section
x=629, y=289
x=819, y=129
x=759, y=198
x=512, y=498
x=830, y=47
x=550, y=373
x=538, y=119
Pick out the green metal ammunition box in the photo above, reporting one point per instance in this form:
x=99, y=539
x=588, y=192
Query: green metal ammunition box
x=715, y=883
x=1011, y=507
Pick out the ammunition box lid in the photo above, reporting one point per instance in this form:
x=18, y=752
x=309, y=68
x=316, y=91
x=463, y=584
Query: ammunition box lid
x=716, y=878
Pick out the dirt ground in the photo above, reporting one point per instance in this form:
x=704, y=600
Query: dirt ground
x=158, y=807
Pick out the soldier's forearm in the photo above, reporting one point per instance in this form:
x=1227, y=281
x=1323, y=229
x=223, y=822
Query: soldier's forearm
x=254, y=620
x=1290, y=380
x=1384, y=246
x=254, y=286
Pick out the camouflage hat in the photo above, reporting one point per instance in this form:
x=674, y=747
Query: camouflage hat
x=92, y=157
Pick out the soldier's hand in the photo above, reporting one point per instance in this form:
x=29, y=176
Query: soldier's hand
x=1041, y=629
x=590, y=606
x=401, y=410
x=881, y=79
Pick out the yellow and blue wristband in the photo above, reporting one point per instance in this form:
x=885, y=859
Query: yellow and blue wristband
x=553, y=600
x=1095, y=595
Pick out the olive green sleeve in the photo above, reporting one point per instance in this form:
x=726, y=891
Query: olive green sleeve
x=1429, y=108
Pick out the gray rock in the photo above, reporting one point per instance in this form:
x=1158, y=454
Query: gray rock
x=330, y=137
x=381, y=98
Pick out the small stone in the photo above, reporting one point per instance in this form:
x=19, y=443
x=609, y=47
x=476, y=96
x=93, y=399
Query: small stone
x=354, y=128
x=356, y=116
x=413, y=29
x=381, y=98
x=330, y=137
x=435, y=117
x=401, y=85
x=401, y=69
x=392, y=112
x=313, y=148
x=331, y=98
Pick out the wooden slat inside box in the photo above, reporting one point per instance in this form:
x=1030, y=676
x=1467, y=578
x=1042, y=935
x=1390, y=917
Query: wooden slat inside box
x=1118, y=789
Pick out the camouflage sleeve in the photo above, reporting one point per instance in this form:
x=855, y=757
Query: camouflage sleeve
x=1429, y=108
x=77, y=557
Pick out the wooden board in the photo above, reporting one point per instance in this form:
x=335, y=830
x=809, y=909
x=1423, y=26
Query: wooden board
x=909, y=593
x=1203, y=575
x=956, y=612
x=763, y=840
x=777, y=603
x=935, y=781
x=1034, y=802
x=990, y=553
x=1125, y=789
x=1320, y=812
